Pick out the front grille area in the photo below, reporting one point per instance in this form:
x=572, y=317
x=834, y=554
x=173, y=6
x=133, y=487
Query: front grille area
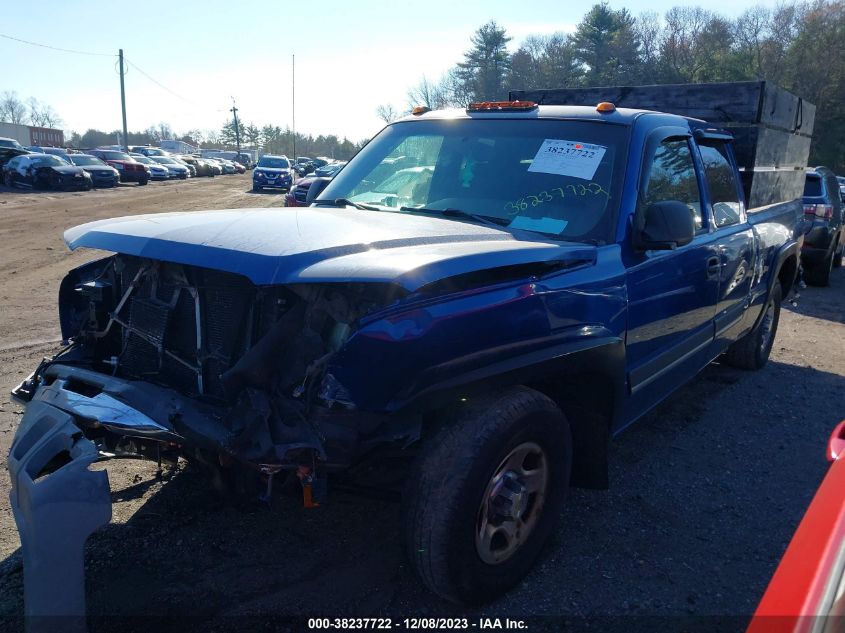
x=300, y=193
x=184, y=326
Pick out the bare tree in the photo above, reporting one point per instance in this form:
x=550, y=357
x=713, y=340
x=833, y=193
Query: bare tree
x=50, y=118
x=387, y=113
x=431, y=94
x=12, y=109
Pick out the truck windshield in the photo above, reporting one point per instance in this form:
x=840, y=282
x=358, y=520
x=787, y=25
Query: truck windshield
x=555, y=177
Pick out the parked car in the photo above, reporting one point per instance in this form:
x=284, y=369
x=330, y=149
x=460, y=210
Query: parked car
x=176, y=170
x=146, y=150
x=303, y=165
x=10, y=142
x=216, y=166
x=807, y=590
x=130, y=170
x=329, y=170
x=561, y=272
x=298, y=195
x=157, y=172
x=192, y=170
x=241, y=169
x=102, y=175
x=8, y=152
x=201, y=167
x=272, y=172
x=823, y=244
x=61, y=152
x=227, y=165
x=841, y=181
x=45, y=171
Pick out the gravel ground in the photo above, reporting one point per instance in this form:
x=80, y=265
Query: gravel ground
x=705, y=491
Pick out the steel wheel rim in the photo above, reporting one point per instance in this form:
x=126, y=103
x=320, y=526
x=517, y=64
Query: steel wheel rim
x=766, y=327
x=512, y=503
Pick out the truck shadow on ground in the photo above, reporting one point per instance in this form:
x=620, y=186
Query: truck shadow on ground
x=705, y=493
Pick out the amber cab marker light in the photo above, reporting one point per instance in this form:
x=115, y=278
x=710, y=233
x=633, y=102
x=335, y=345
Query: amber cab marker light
x=605, y=107
x=420, y=110
x=499, y=106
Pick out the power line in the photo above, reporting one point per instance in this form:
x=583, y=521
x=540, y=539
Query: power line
x=161, y=85
x=56, y=48
x=166, y=89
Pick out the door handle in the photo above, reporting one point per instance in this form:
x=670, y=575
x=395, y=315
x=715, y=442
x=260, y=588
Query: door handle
x=714, y=267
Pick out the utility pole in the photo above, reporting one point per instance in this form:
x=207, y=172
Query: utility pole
x=123, y=102
x=293, y=101
x=234, y=112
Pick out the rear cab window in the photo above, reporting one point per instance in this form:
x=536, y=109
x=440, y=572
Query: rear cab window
x=813, y=186
x=722, y=184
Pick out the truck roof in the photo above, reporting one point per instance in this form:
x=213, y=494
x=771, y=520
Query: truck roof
x=621, y=116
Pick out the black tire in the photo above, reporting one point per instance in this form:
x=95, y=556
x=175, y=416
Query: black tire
x=752, y=350
x=819, y=274
x=452, y=476
x=8, y=181
x=143, y=182
x=254, y=188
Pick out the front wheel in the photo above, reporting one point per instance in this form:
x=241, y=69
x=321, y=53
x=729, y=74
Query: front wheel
x=485, y=493
x=752, y=350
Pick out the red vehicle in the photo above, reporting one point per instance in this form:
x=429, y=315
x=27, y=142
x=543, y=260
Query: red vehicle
x=130, y=170
x=807, y=591
x=296, y=196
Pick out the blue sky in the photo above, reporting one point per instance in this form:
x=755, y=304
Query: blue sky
x=350, y=56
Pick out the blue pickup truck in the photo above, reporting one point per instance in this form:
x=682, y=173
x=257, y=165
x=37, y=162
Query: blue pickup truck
x=494, y=291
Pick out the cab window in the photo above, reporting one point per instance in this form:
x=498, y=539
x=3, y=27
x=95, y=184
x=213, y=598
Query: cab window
x=721, y=184
x=672, y=177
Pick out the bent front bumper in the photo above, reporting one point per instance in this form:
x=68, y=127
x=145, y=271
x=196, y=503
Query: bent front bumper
x=55, y=511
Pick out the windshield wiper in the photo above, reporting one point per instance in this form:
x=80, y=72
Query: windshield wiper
x=489, y=220
x=346, y=202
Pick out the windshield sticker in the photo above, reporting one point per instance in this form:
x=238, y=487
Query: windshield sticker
x=554, y=226
x=568, y=158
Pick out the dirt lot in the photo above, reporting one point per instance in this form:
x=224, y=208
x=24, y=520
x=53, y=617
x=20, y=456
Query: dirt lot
x=705, y=492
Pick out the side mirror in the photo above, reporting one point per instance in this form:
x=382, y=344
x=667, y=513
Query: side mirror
x=316, y=189
x=668, y=224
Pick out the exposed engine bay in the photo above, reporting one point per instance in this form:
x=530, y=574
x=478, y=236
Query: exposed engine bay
x=245, y=366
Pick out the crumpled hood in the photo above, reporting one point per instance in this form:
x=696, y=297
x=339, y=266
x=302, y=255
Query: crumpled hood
x=311, y=244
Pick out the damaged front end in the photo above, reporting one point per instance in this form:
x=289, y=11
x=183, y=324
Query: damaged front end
x=176, y=359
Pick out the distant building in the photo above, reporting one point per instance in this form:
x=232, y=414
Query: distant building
x=177, y=147
x=30, y=135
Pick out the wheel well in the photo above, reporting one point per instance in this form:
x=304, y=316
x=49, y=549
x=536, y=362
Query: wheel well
x=786, y=274
x=587, y=400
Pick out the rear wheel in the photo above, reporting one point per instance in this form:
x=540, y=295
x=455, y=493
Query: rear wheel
x=143, y=182
x=485, y=493
x=752, y=350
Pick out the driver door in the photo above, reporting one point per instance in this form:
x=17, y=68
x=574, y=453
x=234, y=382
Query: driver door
x=672, y=294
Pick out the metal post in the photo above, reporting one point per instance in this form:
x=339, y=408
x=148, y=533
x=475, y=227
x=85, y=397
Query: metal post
x=123, y=102
x=234, y=112
x=293, y=102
